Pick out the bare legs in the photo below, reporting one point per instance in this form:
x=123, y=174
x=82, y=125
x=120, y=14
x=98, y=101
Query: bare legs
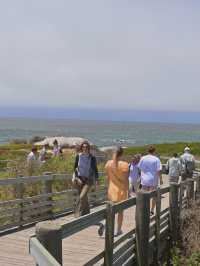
x=119, y=222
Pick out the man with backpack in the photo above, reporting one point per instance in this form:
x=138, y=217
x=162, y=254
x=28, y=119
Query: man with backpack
x=173, y=168
x=187, y=164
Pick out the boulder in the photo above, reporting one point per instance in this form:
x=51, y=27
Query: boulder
x=64, y=142
x=36, y=139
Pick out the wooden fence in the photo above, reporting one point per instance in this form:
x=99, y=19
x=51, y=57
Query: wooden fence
x=46, y=202
x=148, y=243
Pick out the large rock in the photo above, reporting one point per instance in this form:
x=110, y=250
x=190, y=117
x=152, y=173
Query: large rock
x=36, y=139
x=64, y=142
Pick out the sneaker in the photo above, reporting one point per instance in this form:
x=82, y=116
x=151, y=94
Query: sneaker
x=101, y=229
x=151, y=213
x=119, y=233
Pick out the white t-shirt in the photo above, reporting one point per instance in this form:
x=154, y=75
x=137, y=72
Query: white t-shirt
x=149, y=166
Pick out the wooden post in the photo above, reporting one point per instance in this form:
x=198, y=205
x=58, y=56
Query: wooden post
x=48, y=189
x=190, y=190
x=173, y=206
x=157, y=229
x=109, y=234
x=50, y=236
x=197, y=194
x=181, y=194
x=142, y=227
x=19, y=195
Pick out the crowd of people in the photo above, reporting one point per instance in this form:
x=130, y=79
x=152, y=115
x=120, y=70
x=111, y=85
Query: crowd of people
x=125, y=179
x=35, y=158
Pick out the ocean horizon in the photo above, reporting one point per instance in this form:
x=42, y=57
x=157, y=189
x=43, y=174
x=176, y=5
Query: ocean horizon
x=101, y=133
x=96, y=114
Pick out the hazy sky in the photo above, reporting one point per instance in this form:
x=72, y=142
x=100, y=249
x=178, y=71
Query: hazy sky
x=123, y=54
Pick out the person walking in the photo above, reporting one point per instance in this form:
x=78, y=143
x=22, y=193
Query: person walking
x=43, y=154
x=56, y=149
x=187, y=164
x=174, y=168
x=134, y=175
x=151, y=171
x=32, y=160
x=117, y=172
x=85, y=175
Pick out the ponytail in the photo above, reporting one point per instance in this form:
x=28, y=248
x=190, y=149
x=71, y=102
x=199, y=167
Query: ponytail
x=118, y=153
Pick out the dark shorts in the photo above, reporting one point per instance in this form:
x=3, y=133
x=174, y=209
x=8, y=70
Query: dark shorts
x=86, y=180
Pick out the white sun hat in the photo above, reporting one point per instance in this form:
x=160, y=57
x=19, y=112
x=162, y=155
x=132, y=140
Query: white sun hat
x=187, y=149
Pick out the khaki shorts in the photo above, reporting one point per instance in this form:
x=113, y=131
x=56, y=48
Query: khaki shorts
x=147, y=188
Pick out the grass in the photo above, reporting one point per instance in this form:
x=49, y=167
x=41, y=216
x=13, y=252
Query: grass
x=167, y=149
x=17, y=154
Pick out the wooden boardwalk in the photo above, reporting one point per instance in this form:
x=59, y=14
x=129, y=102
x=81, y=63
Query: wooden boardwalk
x=77, y=249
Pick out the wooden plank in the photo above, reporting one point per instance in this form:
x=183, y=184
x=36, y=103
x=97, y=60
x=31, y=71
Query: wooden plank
x=96, y=259
x=157, y=227
x=164, y=224
x=41, y=255
x=164, y=217
x=124, y=205
x=125, y=237
x=125, y=256
x=33, y=212
x=164, y=189
x=142, y=227
x=9, y=212
x=131, y=261
x=34, y=205
x=82, y=223
x=174, y=215
x=120, y=251
x=109, y=234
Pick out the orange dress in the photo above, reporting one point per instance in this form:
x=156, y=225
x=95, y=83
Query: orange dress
x=118, y=184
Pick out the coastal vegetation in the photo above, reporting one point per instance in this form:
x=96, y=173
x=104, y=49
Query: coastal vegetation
x=187, y=251
x=13, y=158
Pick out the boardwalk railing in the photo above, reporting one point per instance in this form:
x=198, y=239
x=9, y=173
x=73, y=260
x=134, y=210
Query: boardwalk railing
x=52, y=195
x=148, y=243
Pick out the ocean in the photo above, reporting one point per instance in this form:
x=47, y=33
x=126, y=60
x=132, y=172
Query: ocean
x=101, y=133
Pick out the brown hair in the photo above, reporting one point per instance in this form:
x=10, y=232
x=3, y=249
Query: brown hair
x=151, y=149
x=117, y=153
x=34, y=149
x=85, y=143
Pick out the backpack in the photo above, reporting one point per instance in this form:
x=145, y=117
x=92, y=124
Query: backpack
x=189, y=166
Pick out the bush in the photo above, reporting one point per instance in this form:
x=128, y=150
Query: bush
x=187, y=253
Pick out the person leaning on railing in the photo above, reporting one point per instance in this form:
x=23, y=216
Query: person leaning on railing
x=151, y=171
x=85, y=175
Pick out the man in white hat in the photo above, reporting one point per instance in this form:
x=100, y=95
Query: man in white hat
x=187, y=163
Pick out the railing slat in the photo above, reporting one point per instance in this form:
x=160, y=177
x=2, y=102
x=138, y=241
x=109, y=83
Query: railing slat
x=41, y=255
x=82, y=223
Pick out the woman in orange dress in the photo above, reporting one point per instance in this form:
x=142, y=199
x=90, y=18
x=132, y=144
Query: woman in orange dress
x=117, y=172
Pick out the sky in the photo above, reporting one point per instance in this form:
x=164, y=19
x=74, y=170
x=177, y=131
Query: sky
x=105, y=54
